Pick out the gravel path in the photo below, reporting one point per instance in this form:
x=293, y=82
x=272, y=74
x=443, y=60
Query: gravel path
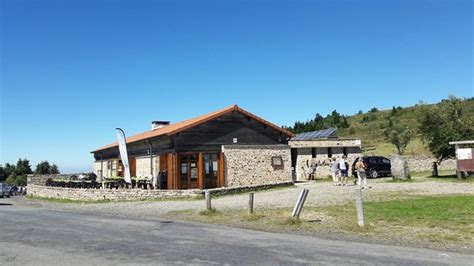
x=321, y=194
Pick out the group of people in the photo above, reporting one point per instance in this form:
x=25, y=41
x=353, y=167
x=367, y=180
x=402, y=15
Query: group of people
x=340, y=172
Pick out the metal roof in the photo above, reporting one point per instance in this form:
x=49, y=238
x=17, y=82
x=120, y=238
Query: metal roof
x=314, y=135
x=461, y=142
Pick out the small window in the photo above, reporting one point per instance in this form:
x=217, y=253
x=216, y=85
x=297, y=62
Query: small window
x=313, y=152
x=277, y=161
x=329, y=152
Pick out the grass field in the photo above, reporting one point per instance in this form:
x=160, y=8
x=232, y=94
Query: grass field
x=443, y=220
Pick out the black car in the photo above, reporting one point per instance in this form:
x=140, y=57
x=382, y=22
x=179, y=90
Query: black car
x=376, y=166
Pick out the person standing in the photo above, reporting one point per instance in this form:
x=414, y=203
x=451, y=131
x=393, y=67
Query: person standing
x=335, y=171
x=344, y=168
x=361, y=175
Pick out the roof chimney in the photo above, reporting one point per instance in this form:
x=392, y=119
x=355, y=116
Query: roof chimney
x=159, y=124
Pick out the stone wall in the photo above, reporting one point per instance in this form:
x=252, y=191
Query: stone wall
x=107, y=194
x=143, y=166
x=97, y=166
x=420, y=163
x=305, y=157
x=41, y=179
x=248, y=165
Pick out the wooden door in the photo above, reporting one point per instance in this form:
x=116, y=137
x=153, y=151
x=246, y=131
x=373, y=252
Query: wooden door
x=210, y=169
x=188, y=171
x=133, y=166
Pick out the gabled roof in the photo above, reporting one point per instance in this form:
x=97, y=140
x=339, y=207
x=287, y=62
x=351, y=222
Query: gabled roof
x=315, y=135
x=186, y=124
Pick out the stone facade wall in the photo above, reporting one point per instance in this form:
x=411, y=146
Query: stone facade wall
x=305, y=158
x=96, y=168
x=248, y=165
x=107, y=194
x=143, y=166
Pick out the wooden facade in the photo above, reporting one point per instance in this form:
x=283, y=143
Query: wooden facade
x=192, y=157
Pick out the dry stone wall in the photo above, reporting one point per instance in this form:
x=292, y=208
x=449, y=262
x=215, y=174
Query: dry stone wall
x=41, y=179
x=248, y=165
x=107, y=194
x=419, y=163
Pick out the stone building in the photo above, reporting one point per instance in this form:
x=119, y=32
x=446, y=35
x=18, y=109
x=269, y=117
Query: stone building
x=319, y=147
x=226, y=148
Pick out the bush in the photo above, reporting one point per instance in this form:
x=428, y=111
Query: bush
x=11, y=179
x=20, y=181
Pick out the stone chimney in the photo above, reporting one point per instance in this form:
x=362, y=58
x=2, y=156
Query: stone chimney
x=159, y=124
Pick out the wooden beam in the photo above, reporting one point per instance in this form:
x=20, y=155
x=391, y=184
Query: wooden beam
x=171, y=160
x=200, y=171
x=221, y=170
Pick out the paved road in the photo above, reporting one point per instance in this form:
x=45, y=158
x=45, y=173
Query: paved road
x=40, y=236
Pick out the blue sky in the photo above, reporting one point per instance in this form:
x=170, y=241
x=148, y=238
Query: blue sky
x=72, y=71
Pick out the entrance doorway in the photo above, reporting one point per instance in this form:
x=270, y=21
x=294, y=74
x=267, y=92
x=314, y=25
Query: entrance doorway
x=188, y=171
x=211, y=169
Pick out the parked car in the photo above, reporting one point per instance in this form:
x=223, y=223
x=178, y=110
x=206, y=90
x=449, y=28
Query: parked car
x=4, y=190
x=376, y=166
x=13, y=191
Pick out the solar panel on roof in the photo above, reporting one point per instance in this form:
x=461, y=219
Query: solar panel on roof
x=320, y=134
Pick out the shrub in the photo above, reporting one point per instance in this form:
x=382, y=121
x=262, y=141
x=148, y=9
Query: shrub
x=20, y=181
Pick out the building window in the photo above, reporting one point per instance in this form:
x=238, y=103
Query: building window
x=344, y=151
x=313, y=152
x=329, y=152
x=277, y=161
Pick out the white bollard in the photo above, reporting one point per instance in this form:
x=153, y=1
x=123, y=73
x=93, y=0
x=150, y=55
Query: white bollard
x=208, y=200
x=300, y=203
x=359, y=207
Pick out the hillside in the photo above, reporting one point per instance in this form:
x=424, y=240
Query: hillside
x=369, y=128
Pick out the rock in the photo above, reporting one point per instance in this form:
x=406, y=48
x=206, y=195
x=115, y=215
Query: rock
x=400, y=170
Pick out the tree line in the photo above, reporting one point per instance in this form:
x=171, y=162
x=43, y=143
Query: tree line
x=334, y=119
x=16, y=174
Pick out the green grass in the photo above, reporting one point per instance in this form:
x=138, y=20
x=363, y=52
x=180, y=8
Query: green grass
x=443, y=220
x=61, y=200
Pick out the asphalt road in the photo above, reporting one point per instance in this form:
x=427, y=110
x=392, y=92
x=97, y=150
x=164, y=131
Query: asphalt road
x=39, y=236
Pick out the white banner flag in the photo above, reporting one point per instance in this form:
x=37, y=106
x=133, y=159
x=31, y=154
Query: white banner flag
x=122, y=143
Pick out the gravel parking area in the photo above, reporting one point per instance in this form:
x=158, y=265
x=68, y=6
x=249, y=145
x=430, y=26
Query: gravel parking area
x=321, y=194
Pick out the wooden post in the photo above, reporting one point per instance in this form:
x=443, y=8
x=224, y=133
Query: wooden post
x=434, y=172
x=251, y=203
x=208, y=201
x=300, y=203
x=359, y=207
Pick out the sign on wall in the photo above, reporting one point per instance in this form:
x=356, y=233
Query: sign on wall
x=464, y=154
x=122, y=143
